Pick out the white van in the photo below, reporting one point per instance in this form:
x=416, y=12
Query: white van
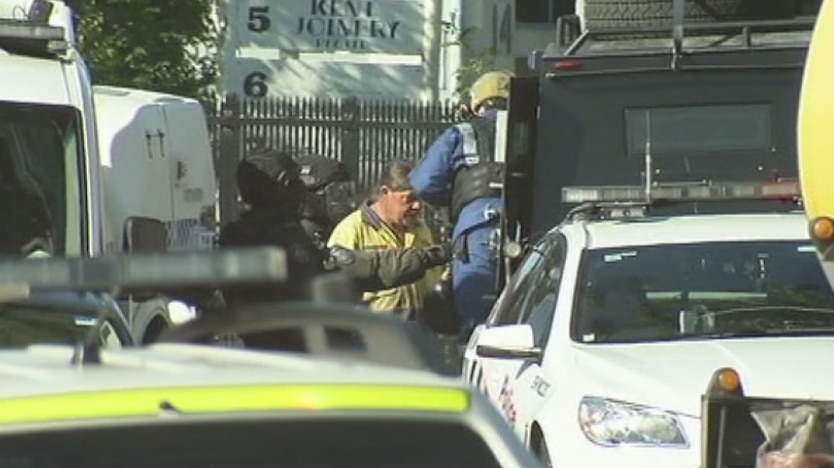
x=48, y=142
x=156, y=162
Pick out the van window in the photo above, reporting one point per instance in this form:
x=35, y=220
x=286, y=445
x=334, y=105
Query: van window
x=38, y=143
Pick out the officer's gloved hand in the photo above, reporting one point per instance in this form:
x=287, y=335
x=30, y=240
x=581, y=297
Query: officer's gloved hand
x=438, y=255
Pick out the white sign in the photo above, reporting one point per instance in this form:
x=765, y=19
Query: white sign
x=380, y=26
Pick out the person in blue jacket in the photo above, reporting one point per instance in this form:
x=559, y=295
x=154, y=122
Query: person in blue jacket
x=459, y=172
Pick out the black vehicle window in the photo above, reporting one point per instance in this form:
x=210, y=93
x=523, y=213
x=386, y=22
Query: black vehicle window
x=294, y=443
x=539, y=304
x=542, y=11
x=508, y=307
x=700, y=129
x=531, y=295
x=36, y=142
x=701, y=291
x=27, y=324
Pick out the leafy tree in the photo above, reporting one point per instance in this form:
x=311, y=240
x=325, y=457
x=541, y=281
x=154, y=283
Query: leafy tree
x=479, y=61
x=159, y=45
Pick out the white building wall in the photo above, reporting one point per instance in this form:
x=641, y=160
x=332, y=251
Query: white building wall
x=363, y=48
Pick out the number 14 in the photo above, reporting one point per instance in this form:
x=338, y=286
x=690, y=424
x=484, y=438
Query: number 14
x=503, y=28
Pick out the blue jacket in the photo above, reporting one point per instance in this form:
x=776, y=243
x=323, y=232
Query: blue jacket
x=432, y=180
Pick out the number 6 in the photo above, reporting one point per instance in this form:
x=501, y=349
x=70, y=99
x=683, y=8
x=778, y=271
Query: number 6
x=254, y=86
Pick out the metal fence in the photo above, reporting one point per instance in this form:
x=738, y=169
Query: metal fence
x=363, y=134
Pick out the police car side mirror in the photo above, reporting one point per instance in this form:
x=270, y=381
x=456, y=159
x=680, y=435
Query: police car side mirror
x=507, y=342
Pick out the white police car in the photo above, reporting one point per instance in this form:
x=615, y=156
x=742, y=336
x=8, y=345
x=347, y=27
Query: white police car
x=600, y=347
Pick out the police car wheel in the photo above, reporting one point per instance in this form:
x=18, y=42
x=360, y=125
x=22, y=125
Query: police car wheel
x=607, y=14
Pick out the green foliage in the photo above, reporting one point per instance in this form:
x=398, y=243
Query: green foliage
x=479, y=61
x=159, y=45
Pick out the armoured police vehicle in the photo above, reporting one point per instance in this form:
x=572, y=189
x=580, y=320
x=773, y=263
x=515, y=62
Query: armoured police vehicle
x=705, y=101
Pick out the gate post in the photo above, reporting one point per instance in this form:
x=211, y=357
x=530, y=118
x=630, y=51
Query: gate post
x=350, y=136
x=230, y=148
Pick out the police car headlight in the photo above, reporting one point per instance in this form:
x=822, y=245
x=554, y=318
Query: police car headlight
x=614, y=423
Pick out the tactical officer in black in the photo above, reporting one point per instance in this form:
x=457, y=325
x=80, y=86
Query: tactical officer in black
x=270, y=184
x=330, y=195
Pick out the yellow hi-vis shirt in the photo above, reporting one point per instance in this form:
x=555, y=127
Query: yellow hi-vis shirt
x=364, y=230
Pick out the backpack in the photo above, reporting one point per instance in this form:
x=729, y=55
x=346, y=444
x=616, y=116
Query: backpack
x=330, y=192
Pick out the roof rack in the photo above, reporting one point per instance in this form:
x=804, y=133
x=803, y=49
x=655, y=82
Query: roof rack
x=342, y=332
x=568, y=29
x=744, y=29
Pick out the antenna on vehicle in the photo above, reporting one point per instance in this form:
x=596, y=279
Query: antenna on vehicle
x=88, y=350
x=648, y=159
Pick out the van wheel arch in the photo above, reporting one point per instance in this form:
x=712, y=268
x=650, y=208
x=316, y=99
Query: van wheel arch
x=154, y=329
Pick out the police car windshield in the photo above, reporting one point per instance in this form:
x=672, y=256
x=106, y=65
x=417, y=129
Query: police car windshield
x=40, y=154
x=23, y=324
x=702, y=291
x=350, y=441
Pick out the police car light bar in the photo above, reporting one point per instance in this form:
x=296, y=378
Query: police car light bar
x=52, y=37
x=710, y=191
x=148, y=271
x=16, y=29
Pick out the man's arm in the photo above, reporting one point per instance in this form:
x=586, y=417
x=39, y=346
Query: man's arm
x=374, y=270
x=432, y=178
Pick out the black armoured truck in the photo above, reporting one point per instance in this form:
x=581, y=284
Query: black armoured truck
x=706, y=101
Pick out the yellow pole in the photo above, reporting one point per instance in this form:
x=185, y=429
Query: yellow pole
x=815, y=134
x=816, y=119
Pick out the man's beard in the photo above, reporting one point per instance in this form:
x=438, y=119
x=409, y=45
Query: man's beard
x=412, y=221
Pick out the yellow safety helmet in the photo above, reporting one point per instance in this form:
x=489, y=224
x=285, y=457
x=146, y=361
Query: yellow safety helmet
x=491, y=85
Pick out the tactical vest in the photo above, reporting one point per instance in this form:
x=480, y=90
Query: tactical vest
x=473, y=179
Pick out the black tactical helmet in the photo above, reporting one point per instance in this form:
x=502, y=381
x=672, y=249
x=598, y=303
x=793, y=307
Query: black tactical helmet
x=271, y=180
x=439, y=313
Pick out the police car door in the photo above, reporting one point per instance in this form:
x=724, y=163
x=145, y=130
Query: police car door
x=519, y=147
x=514, y=346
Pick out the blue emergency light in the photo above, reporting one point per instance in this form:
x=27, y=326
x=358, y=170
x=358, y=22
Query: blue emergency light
x=684, y=192
x=237, y=266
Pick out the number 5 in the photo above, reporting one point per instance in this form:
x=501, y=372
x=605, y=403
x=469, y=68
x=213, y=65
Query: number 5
x=259, y=19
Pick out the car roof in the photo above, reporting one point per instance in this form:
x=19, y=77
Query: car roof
x=47, y=370
x=339, y=331
x=39, y=384
x=693, y=229
x=181, y=384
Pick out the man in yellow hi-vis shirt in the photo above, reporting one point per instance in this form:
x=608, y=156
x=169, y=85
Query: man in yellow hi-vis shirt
x=391, y=220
